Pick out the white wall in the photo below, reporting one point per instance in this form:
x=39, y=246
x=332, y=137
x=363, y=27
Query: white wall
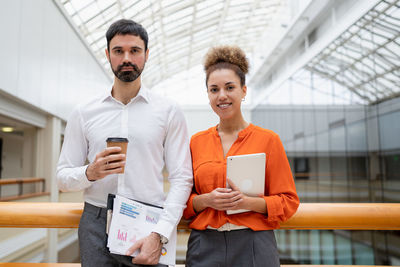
x=43, y=61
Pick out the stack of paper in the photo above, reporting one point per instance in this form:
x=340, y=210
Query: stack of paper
x=131, y=221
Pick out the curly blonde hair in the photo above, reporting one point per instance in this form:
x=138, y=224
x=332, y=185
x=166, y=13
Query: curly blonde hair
x=227, y=57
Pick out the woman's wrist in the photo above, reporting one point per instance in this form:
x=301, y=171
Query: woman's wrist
x=200, y=202
x=256, y=204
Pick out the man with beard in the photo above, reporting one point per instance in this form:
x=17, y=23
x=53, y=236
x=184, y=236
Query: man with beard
x=157, y=134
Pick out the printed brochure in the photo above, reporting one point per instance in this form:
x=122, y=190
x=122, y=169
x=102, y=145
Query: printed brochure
x=132, y=220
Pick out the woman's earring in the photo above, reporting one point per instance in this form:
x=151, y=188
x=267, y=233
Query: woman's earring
x=243, y=99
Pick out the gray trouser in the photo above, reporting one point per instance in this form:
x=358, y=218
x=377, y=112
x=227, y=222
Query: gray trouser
x=93, y=240
x=237, y=248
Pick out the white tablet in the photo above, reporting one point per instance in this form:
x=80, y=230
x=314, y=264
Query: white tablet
x=248, y=173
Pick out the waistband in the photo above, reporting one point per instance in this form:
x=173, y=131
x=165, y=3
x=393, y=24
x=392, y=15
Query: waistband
x=228, y=227
x=97, y=211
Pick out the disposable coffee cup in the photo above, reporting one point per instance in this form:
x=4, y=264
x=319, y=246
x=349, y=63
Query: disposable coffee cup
x=119, y=142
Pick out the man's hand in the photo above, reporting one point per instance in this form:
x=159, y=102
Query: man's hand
x=149, y=250
x=107, y=162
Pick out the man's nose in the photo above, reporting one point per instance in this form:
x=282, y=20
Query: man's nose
x=126, y=57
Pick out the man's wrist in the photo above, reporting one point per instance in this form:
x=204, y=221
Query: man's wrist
x=163, y=239
x=86, y=173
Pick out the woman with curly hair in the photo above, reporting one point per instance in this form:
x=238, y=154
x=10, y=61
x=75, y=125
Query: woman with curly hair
x=247, y=238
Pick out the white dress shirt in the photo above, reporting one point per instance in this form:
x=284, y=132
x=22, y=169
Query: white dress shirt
x=157, y=134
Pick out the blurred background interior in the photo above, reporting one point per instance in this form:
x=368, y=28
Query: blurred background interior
x=325, y=75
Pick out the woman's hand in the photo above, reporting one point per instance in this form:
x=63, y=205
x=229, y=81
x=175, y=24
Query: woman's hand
x=229, y=199
x=218, y=199
x=256, y=204
x=244, y=199
x=224, y=199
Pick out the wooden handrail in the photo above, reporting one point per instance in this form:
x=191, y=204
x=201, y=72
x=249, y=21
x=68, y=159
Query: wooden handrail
x=21, y=180
x=350, y=216
x=40, y=214
x=24, y=196
x=337, y=174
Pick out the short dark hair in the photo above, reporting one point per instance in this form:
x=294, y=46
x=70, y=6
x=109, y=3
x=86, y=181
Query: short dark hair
x=126, y=26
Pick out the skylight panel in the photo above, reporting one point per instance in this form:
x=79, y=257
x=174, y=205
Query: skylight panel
x=272, y=5
x=178, y=15
x=109, y=16
x=231, y=23
x=142, y=15
x=238, y=9
x=103, y=4
x=153, y=44
x=178, y=59
x=80, y=4
x=77, y=20
x=393, y=83
x=178, y=24
x=95, y=23
x=201, y=44
x=183, y=13
x=89, y=12
x=178, y=45
x=206, y=21
x=153, y=28
x=169, y=3
x=240, y=2
x=386, y=85
x=210, y=4
x=180, y=32
x=101, y=43
x=142, y=5
x=242, y=16
x=131, y=12
x=69, y=8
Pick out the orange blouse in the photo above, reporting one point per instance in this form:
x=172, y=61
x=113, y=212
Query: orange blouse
x=209, y=171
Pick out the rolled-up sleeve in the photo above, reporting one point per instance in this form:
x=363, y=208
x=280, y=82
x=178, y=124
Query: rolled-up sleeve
x=281, y=197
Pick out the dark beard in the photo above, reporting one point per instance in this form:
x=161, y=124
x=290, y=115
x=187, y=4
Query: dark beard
x=127, y=76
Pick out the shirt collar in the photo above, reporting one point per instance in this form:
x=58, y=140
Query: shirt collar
x=241, y=134
x=143, y=93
